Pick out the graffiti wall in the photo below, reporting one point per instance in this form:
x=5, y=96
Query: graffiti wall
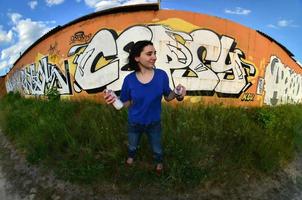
x=218, y=61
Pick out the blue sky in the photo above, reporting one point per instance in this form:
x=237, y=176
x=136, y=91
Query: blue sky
x=22, y=22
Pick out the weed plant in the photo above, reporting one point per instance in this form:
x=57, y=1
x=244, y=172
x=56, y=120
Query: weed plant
x=86, y=142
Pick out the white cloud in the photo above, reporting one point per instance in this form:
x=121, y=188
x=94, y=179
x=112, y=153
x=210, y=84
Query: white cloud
x=5, y=37
x=26, y=32
x=32, y=4
x=286, y=23
x=272, y=26
x=105, y=4
x=102, y=5
x=91, y=3
x=15, y=17
x=53, y=2
x=131, y=2
x=283, y=23
x=3, y=67
x=238, y=11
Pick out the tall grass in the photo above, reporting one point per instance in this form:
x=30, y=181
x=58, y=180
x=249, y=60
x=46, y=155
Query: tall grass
x=86, y=142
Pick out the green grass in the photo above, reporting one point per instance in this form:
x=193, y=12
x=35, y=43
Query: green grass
x=86, y=143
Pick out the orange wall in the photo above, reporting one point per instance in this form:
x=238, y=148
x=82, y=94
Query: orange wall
x=218, y=61
x=2, y=86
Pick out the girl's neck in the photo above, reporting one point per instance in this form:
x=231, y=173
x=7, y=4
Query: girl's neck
x=145, y=75
x=145, y=71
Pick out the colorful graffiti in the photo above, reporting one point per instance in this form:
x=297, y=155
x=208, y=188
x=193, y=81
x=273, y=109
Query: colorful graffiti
x=216, y=60
x=204, y=61
x=37, y=80
x=282, y=84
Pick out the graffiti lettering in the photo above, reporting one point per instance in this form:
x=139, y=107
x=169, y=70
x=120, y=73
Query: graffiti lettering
x=14, y=83
x=90, y=74
x=260, y=86
x=248, y=97
x=202, y=61
x=36, y=80
x=282, y=84
x=80, y=37
x=53, y=49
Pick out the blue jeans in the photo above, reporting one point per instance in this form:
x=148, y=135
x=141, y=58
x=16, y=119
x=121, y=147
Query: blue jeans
x=153, y=132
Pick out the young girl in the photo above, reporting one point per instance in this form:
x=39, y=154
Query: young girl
x=142, y=92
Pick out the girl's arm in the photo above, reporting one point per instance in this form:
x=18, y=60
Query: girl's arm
x=179, y=97
x=170, y=97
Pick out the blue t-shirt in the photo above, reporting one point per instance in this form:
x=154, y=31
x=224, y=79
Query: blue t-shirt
x=146, y=98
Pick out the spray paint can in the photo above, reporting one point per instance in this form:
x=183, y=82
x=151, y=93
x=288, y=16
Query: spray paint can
x=178, y=91
x=118, y=104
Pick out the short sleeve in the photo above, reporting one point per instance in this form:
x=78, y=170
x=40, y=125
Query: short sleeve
x=166, y=86
x=125, y=92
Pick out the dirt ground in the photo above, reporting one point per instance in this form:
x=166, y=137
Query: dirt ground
x=21, y=181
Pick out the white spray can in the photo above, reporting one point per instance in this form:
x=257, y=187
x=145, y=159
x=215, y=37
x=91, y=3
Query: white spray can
x=118, y=104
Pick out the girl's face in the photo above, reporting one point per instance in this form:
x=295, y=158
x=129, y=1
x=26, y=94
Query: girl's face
x=147, y=57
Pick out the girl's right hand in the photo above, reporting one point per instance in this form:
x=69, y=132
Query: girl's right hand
x=109, y=98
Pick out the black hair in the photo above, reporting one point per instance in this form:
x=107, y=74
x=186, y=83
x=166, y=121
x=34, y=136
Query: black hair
x=136, y=51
